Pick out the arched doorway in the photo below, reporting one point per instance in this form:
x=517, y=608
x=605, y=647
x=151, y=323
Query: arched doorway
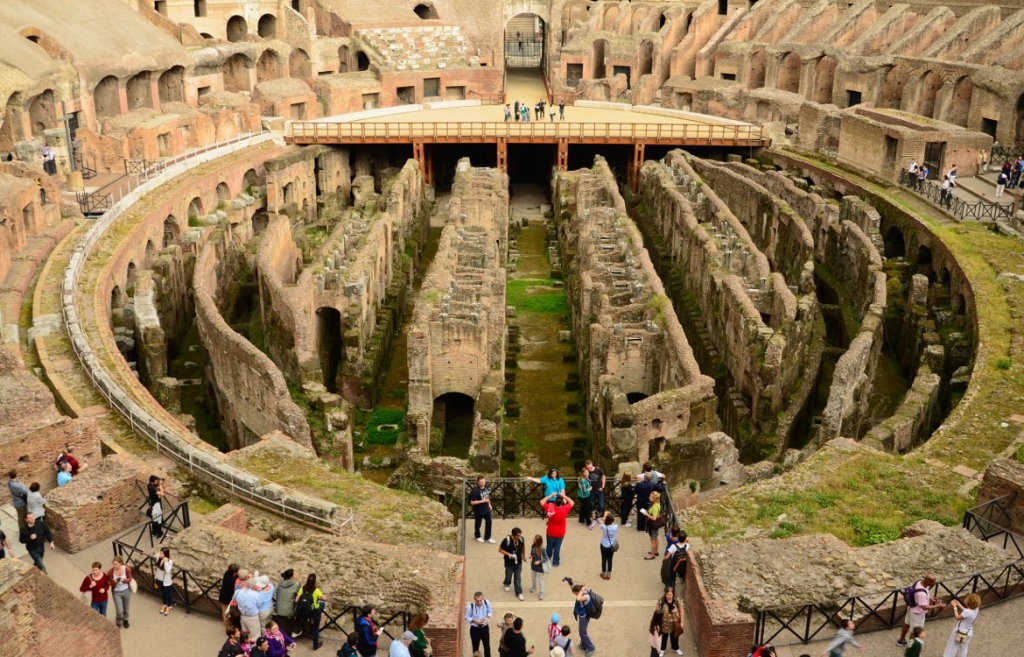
x=958, y=105
x=236, y=73
x=893, y=242
x=524, y=42
x=454, y=414
x=646, y=56
x=237, y=29
x=268, y=66
x=298, y=65
x=824, y=78
x=172, y=85
x=789, y=73
x=329, y=345
x=755, y=73
x=929, y=85
x=600, y=55
x=42, y=113
x=105, y=97
x=267, y=26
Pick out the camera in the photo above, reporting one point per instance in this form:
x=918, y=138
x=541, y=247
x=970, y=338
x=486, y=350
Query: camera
x=568, y=580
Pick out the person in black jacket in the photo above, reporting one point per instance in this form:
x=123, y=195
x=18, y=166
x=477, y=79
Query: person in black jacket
x=233, y=646
x=644, y=488
x=626, y=494
x=515, y=641
x=35, y=535
x=227, y=592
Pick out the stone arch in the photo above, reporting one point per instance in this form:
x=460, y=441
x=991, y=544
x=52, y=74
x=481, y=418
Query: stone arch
x=959, y=304
x=640, y=15
x=788, y=78
x=250, y=181
x=928, y=86
x=362, y=61
x=755, y=71
x=237, y=29
x=894, y=244
x=50, y=46
x=646, y=56
x=195, y=208
x=116, y=298
x=610, y=19
x=42, y=113
x=343, y=59
x=298, y=65
x=172, y=231
x=425, y=11
x=223, y=193
x=600, y=52
x=268, y=66
x=139, y=91
x=171, y=85
x=106, y=98
x=129, y=278
x=455, y=412
x=150, y=257
x=236, y=73
x=958, y=106
x=260, y=220
x=11, y=128
x=267, y=26
x=824, y=79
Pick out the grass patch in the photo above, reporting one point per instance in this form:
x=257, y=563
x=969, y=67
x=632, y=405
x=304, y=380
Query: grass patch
x=386, y=417
x=536, y=296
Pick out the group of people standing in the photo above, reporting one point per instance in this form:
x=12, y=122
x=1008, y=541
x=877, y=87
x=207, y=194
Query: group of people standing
x=520, y=111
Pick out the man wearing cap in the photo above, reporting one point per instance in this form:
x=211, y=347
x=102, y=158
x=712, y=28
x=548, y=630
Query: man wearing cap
x=557, y=508
x=400, y=646
x=266, y=604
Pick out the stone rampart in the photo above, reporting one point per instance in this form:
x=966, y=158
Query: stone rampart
x=641, y=380
x=114, y=381
x=761, y=332
x=1004, y=477
x=101, y=501
x=721, y=631
x=252, y=394
x=457, y=336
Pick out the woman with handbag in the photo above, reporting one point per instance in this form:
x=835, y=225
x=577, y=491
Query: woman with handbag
x=609, y=543
x=653, y=516
x=672, y=620
x=539, y=564
x=123, y=585
x=966, y=614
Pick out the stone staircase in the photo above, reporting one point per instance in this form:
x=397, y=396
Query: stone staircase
x=418, y=48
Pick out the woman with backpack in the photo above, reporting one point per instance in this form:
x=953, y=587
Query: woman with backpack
x=349, y=647
x=309, y=607
x=671, y=611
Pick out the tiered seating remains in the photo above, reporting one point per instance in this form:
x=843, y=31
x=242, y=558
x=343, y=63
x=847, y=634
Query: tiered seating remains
x=419, y=48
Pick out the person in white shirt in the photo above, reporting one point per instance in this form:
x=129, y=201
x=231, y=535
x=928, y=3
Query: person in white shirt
x=966, y=614
x=400, y=646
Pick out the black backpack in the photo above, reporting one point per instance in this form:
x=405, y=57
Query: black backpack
x=304, y=605
x=595, y=607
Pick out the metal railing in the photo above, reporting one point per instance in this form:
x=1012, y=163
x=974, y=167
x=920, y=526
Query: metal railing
x=586, y=132
x=93, y=203
x=489, y=98
x=567, y=98
x=956, y=206
x=201, y=595
x=142, y=167
x=886, y=609
x=207, y=467
x=524, y=52
x=516, y=497
x=990, y=522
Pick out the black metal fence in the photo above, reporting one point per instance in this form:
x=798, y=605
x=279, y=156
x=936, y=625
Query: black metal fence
x=956, y=206
x=524, y=52
x=200, y=594
x=991, y=521
x=883, y=610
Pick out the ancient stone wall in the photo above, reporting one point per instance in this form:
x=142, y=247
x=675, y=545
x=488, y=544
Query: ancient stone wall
x=102, y=501
x=38, y=616
x=457, y=336
x=720, y=630
x=641, y=380
x=26, y=209
x=1004, y=478
x=761, y=332
x=252, y=395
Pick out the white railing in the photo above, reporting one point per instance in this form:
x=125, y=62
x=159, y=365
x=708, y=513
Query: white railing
x=206, y=466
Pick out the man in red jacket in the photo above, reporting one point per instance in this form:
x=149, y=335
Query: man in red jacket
x=557, y=508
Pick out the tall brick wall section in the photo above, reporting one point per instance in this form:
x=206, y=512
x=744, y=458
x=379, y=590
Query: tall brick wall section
x=100, y=502
x=1005, y=477
x=720, y=632
x=33, y=455
x=230, y=517
x=39, y=617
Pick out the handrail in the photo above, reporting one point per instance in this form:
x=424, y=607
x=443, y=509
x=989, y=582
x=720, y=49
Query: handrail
x=206, y=467
x=195, y=594
x=946, y=198
x=586, y=131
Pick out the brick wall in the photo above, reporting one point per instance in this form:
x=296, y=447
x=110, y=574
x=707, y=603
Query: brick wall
x=230, y=517
x=39, y=617
x=100, y=502
x=34, y=454
x=1005, y=477
x=720, y=632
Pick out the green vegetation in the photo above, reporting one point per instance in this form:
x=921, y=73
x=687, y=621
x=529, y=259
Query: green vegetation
x=861, y=497
x=1004, y=363
x=384, y=416
x=536, y=296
